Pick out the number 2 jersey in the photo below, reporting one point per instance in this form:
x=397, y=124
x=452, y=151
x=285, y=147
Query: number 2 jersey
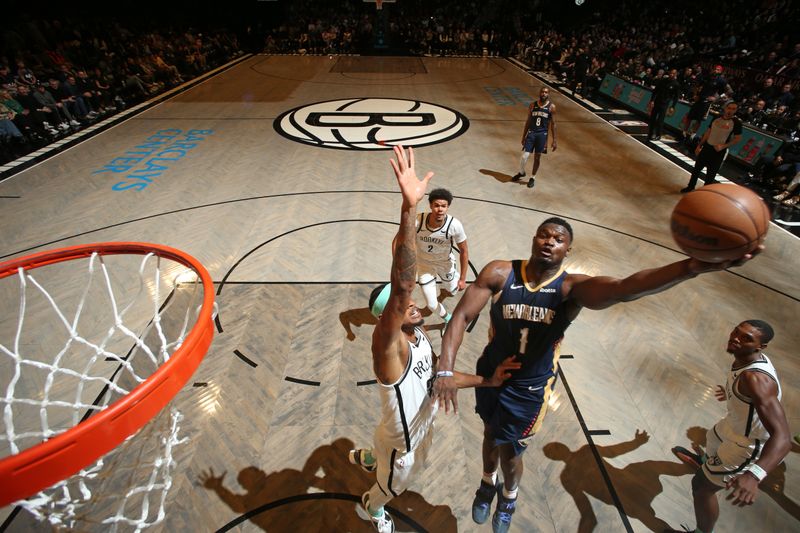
x=434, y=245
x=529, y=322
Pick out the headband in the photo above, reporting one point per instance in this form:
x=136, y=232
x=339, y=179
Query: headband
x=380, y=301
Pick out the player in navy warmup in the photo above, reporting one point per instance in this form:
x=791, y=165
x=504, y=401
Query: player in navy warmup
x=541, y=119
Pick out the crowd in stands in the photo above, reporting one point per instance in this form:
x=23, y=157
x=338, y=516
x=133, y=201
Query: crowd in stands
x=747, y=52
x=58, y=77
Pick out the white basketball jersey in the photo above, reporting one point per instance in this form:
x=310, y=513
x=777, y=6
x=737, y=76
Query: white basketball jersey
x=742, y=424
x=434, y=245
x=407, y=407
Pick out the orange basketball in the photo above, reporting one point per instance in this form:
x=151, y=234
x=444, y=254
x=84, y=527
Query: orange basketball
x=719, y=222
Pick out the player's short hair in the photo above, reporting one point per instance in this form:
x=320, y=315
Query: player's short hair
x=376, y=310
x=558, y=221
x=440, y=194
x=764, y=328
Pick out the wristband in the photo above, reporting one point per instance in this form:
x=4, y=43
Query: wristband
x=444, y=374
x=757, y=471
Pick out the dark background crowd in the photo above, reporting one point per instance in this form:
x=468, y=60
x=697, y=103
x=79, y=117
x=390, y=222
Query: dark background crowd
x=70, y=66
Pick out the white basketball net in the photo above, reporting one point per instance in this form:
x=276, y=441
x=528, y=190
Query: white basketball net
x=107, y=334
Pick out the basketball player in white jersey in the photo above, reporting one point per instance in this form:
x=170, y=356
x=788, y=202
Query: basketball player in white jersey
x=404, y=364
x=437, y=232
x=752, y=439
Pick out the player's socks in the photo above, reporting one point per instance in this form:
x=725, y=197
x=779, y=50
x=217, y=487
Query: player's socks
x=381, y=520
x=510, y=494
x=363, y=458
x=489, y=479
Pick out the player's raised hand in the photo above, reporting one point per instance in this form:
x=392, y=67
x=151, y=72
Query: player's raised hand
x=413, y=188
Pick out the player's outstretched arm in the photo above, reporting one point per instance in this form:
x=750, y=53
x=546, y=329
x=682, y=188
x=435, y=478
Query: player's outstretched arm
x=763, y=391
x=387, y=339
x=490, y=281
x=600, y=292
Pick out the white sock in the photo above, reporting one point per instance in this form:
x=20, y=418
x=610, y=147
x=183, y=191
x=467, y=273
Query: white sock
x=489, y=479
x=441, y=310
x=510, y=494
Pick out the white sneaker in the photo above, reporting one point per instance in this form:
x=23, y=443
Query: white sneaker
x=64, y=126
x=382, y=524
x=74, y=122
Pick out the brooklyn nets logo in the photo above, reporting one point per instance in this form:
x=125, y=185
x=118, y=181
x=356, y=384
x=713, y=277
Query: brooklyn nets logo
x=371, y=123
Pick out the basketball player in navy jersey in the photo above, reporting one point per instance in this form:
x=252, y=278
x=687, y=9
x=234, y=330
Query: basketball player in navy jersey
x=752, y=439
x=533, y=303
x=541, y=119
x=404, y=364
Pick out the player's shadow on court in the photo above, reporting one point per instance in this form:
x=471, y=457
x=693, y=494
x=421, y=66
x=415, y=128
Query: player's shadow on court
x=637, y=484
x=356, y=317
x=501, y=177
x=774, y=485
x=323, y=496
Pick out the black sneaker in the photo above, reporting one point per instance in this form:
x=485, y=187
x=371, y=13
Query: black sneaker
x=501, y=520
x=690, y=458
x=517, y=176
x=531, y=183
x=482, y=503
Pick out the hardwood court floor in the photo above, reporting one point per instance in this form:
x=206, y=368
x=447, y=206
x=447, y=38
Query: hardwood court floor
x=296, y=235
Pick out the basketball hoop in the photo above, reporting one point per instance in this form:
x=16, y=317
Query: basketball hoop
x=68, y=406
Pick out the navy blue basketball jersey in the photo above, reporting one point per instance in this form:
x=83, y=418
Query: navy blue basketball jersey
x=528, y=322
x=540, y=118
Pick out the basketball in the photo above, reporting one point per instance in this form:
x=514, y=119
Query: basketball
x=719, y=222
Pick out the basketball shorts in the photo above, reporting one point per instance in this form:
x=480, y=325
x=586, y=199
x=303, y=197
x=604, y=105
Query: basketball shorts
x=448, y=273
x=726, y=458
x=513, y=412
x=397, y=468
x=536, y=142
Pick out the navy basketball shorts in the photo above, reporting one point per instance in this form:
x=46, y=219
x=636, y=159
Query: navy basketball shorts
x=536, y=142
x=512, y=412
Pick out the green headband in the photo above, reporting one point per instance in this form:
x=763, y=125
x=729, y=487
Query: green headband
x=380, y=301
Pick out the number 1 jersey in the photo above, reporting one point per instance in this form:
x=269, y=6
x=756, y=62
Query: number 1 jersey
x=529, y=322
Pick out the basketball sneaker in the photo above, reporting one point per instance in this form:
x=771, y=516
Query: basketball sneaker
x=531, y=183
x=688, y=457
x=517, y=176
x=359, y=457
x=383, y=523
x=482, y=503
x=501, y=520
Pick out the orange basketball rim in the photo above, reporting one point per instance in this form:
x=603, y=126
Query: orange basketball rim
x=38, y=467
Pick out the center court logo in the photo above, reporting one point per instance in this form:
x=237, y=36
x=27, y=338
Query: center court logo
x=371, y=123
